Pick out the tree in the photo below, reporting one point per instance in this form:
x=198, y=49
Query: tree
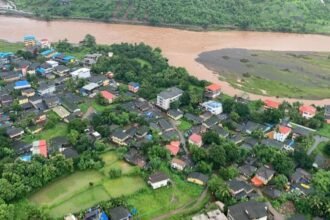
x=283, y=164
x=73, y=137
x=321, y=181
x=115, y=173
x=211, y=137
x=89, y=41
x=280, y=181
x=217, y=155
x=204, y=167
x=229, y=172
x=327, y=148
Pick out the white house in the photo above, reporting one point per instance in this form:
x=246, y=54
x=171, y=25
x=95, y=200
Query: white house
x=166, y=97
x=213, y=107
x=52, y=63
x=158, y=180
x=46, y=89
x=281, y=133
x=178, y=164
x=82, y=73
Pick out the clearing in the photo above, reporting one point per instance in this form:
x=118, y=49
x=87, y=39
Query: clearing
x=284, y=74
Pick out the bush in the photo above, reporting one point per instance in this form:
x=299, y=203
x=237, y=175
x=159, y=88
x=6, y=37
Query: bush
x=115, y=173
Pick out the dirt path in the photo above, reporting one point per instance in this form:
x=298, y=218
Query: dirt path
x=189, y=206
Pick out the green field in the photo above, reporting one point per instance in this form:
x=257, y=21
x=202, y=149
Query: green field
x=325, y=131
x=10, y=47
x=184, y=125
x=60, y=129
x=74, y=192
x=163, y=200
x=284, y=74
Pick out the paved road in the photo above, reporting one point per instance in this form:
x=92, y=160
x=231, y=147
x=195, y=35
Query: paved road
x=317, y=140
x=190, y=206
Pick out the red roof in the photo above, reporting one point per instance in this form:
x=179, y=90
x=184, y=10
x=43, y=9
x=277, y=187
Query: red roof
x=107, y=95
x=307, y=108
x=213, y=87
x=43, y=148
x=173, y=147
x=271, y=104
x=256, y=181
x=195, y=138
x=284, y=129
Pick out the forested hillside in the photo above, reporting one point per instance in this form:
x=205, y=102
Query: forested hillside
x=274, y=15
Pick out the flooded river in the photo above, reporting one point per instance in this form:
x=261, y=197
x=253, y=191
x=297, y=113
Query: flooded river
x=181, y=47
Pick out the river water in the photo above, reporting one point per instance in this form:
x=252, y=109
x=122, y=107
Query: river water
x=181, y=47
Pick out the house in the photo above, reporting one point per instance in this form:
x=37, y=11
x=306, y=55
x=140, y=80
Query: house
x=238, y=188
x=142, y=131
x=250, y=210
x=45, y=69
x=101, y=80
x=158, y=180
x=321, y=162
x=263, y=176
x=21, y=65
x=52, y=63
x=281, y=133
x=32, y=68
x=249, y=143
x=165, y=125
x=195, y=139
x=211, y=122
x=40, y=148
x=307, y=111
x=197, y=178
x=108, y=96
x=193, y=118
x=95, y=214
x=21, y=148
x=175, y=114
x=247, y=170
x=10, y=76
x=46, y=89
x=301, y=176
x=178, y=164
x=212, y=91
x=40, y=118
x=91, y=59
x=61, y=70
x=51, y=101
x=63, y=59
x=61, y=112
x=120, y=137
x=327, y=113
x=270, y=104
x=168, y=96
x=82, y=73
x=89, y=88
x=119, y=213
x=22, y=100
x=211, y=215
x=69, y=152
x=24, y=84
x=300, y=131
x=173, y=147
x=48, y=53
x=271, y=192
x=135, y=158
x=133, y=87
x=36, y=101
x=28, y=92
x=14, y=132
x=213, y=107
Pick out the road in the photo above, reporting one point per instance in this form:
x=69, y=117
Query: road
x=181, y=136
x=317, y=140
x=189, y=206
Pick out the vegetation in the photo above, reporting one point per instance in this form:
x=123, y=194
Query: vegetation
x=287, y=16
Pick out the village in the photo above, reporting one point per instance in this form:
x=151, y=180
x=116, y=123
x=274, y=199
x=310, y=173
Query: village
x=40, y=100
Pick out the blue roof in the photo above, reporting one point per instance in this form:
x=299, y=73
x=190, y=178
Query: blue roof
x=213, y=104
x=68, y=58
x=47, y=52
x=22, y=83
x=5, y=54
x=56, y=54
x=134, y=84
x=26, y=157
x=103, y=216
x=29, y=37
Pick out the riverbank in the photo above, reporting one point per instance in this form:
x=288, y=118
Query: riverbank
x=181, y=47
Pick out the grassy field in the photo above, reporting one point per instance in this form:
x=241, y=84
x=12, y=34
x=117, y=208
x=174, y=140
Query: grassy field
x=10, y=47
x=163, y=200
x=325, y=131
x=84, y=106
x=184, y=125
x=284, y=74
x=60, y=129
x=74, y=192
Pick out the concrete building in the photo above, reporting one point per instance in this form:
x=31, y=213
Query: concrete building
x=168, y=96
x=213, y=107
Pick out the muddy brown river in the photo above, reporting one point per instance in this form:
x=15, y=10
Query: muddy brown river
x=181, y=47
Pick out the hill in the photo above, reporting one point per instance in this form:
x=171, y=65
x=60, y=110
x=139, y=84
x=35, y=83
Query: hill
x=267, y=15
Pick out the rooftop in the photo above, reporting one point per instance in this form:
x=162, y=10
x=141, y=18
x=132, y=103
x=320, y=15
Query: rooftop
x=171, y=93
